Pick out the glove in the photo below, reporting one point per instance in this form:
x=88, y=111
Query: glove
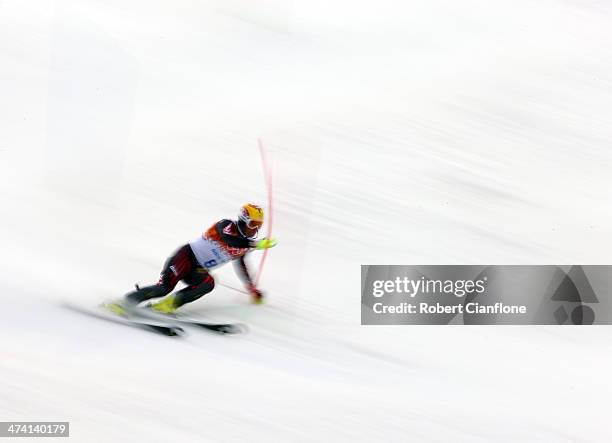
x=265, y=243
x=256, y=295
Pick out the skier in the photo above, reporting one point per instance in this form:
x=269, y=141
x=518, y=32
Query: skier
x=225, y=241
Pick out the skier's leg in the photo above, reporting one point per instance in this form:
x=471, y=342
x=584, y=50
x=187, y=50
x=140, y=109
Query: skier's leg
x=147, y=292
x=200, y=282
x=178, y=266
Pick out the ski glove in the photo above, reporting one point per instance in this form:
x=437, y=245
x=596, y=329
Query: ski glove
x=265, y=243
x=256, y=294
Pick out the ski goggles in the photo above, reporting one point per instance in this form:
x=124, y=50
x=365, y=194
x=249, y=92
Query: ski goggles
x=253, y=224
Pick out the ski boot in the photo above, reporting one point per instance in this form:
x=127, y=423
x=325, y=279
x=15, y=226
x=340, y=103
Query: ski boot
x=166, y=305
x=117, y=307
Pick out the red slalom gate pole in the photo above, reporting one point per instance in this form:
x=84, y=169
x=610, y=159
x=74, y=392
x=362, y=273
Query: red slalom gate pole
x=267, y=169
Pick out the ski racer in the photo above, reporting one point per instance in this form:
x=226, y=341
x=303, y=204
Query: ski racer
x=225, y=241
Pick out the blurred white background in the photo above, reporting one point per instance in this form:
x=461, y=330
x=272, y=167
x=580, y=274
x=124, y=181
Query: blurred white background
x=422, y=132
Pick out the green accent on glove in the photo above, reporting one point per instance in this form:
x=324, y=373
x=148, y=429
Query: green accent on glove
x=265, y=243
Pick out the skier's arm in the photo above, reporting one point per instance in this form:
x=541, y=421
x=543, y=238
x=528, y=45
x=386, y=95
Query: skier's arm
x=256, y=294
x=243, y=272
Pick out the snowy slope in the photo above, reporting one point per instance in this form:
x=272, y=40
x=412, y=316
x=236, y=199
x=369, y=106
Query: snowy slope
x=404, y=133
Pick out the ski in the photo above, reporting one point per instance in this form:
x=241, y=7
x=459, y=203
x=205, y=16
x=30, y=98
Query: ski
x=221, y=328
x=159, y=327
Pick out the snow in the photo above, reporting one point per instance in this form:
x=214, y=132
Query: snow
x=426, y=132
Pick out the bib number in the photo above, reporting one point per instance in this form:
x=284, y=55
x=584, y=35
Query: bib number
x=210, y=263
